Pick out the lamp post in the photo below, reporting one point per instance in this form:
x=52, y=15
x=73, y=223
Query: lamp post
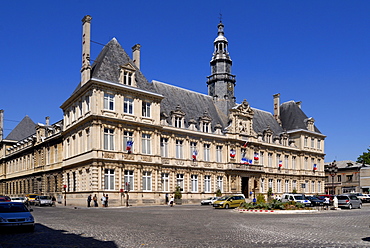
x=333, y=170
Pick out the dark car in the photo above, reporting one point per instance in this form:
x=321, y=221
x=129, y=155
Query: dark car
x=315, y=201
x=4, y=198
x=15, y=215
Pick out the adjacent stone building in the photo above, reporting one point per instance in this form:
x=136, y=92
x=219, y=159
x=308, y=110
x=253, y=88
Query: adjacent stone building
x=121, y=133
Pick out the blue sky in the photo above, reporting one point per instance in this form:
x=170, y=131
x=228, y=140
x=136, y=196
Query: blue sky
x=312, y=51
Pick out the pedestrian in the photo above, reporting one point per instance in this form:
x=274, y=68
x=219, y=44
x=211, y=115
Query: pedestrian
x=171, y=201
x=106, y=200
x=53, y=200
x=95, y=199
x=335, y=202
x=166, y=198
x=327, y=202
x=103, y=201
x=88, y=200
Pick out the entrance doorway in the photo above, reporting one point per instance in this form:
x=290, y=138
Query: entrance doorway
x=245, y=186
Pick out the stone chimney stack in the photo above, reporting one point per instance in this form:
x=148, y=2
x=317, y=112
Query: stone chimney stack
x=47, y=120
x=136, y=55
x=1, y=124
x=86, y=34
x=277, y=108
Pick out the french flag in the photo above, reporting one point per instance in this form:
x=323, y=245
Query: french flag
x=244, y=160
x=280, y=164
x=232, y=153
x=246, y=144
x=256, y=156
x=314, y=167
x=129, y=146
x=195, y=153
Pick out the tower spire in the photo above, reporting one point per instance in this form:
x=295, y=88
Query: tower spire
x=221, y=82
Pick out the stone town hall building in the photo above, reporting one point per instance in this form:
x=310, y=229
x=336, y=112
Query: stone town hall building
x=122, y=133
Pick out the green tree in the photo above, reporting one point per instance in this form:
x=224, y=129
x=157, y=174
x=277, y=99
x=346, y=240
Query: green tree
x=364, y=158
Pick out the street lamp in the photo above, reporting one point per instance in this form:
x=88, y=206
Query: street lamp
x=333, y=170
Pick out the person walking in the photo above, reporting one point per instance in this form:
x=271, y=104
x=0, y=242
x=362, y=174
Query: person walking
x=327, y=202
x=88, y=201
x=171, y=201
x=106, y=200
x=95, y=199
x=54, y=201
x=103, y=200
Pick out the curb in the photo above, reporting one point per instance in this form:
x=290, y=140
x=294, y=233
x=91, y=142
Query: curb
x=276, y=211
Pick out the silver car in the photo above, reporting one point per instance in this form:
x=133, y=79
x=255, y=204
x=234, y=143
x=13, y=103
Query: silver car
x=349, y=201
x=15, y=215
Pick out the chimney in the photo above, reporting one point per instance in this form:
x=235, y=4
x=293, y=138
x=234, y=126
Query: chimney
x=86, y=68
x=47, y=119
x=277, y=107
x=1, y=123
x=136, y=55
x=299, y=104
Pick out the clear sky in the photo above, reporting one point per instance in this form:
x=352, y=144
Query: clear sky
x=317, y=52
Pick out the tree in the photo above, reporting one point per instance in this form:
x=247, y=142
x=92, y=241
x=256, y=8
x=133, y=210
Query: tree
x=364, y=158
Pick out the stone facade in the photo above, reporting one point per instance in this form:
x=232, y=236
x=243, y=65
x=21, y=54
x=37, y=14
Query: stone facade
x=121, y=135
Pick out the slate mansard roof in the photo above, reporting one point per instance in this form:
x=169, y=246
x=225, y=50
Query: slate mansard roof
x=107, y=67
x=24, y=129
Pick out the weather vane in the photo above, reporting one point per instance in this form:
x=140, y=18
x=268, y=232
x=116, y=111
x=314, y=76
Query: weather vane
x=220, y=17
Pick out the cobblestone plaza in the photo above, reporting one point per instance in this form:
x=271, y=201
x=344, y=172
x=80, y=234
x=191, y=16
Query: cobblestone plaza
x=191, y=226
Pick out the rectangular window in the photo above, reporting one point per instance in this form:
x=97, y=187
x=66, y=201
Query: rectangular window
x=146, y=109
x=293, y=162
x=207, y=152
x=108, y=179
x=206, y=127
x=220, y=183
x=319, y=144
x=180, y=181
x=87, y=100
x=305, y=163
x=286, y=161
x=339, y=178
x=129, y=180
x=278, y=181
x=262, y=185
x=286, y=186
x=194, y=183
x=179, y=149
x=262, y=158
x=164, y=147
x=177, y=122
x=312, y=143
x=319, y=187
x=108, y=139
x=146, y=144
x=271, y=184
x=128, y=105
x=313, y=186
x=269, y=160
x=193, y=150
x=207, y=184
x=305, y=141
x=219, y=154
x=294, y=185
x=108, y=101
x=127, y=77
x=165, y=182
x=128, y=136
x=147, y=181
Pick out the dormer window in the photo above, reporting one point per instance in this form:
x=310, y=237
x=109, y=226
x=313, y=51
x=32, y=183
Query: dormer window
x=177, y=117
x=127, y=75
x=205, y=123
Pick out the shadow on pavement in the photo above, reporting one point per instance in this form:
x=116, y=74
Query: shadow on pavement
x=366, y=239
x=44, y=236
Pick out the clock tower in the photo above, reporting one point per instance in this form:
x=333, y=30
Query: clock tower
x=221, y=82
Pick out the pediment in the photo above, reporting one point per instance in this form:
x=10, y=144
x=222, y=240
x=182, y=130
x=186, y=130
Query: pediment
x=244, y=108
x=128, y=67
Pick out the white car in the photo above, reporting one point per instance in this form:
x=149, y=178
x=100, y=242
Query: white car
x=18, y=199
x=209, y=201
x=43, y=200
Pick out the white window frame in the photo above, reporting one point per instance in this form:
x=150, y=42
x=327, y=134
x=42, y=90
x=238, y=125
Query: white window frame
x=207, y=148
x=219, y=154
x=109, y=139
x=286, y=186
x=278, y=182
x=108, y=101
x=128, y=136
x=164, y=147
x=146, y=143
x=194, y=183
x=129, y=179
x=180, y=181
x=220, y=183
x=179, y=149
x=165, y=178
x=108, y=179
x=147, y=181
x=207, y=184
x=128, y=105
x=146, y=109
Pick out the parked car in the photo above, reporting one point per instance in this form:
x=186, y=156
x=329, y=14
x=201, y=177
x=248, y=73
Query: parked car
x=349, y=201
x=315, y=201
x=16, y=215
x=367, y=198
x=362, y=197
x=31, y=198
x=18, y=199
x=230, y=201
x=296, y=198
x=41, y=200
x=4, y=198
x=209, y=200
